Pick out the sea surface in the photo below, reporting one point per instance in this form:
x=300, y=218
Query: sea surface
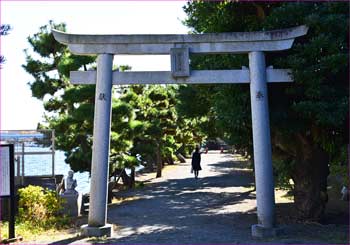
x=42, y=165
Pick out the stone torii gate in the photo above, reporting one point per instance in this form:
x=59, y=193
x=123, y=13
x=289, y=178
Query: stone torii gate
x=179, y=47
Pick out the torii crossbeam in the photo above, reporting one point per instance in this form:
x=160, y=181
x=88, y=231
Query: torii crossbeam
x=179, y=47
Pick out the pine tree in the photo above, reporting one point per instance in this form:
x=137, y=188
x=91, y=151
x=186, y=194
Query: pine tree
x=309, y=118
x=70, y=108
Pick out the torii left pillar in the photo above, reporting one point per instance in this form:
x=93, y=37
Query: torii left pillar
x=97, y=225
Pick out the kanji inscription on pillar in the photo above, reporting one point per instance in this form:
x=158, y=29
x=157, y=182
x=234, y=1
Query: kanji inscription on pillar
x=102, y=96
x=259, y=95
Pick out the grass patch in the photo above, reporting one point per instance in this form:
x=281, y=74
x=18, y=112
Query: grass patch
x=240, y=158
x=29, y=232
x=119, y=200
x=289, y=195
x=103, y=239
x=139, y=185
x=335, y=238
x=330, y=234
x=284, y=194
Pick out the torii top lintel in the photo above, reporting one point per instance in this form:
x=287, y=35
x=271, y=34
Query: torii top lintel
x=233, y=42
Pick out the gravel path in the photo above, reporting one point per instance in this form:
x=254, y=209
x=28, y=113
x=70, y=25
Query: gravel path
x=219, y=207
x=180, y=209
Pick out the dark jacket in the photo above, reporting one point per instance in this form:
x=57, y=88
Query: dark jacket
x=196, y=161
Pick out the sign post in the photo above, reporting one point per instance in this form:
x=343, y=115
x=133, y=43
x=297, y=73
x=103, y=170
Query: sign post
x=7, y=185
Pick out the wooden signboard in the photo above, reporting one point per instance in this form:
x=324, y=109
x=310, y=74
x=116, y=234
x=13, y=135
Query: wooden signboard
x=7, y=187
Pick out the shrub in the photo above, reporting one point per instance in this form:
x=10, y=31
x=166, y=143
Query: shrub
x=40, y=208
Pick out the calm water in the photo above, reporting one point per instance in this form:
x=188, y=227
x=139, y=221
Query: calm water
x=42, y=165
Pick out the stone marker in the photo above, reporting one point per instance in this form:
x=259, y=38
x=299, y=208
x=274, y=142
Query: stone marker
x=72, y=199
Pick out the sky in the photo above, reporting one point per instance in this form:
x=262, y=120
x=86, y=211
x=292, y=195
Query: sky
x=19, y=110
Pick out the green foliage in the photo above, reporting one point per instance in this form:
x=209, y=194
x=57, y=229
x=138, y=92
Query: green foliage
x=26, y=230
x=155, y=108
x=308, y=116
x=282, y=173
x=316, y=104
x=193, y=101
x=143, y=123
x=340, y=168
x=39, y=207
x=4, y=30
x=69, y=108
x=219, y=16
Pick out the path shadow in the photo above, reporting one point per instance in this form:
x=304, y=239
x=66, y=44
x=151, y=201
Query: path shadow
x=188, y=210
x=68, y=240
x=209, y=210
x=231, y=166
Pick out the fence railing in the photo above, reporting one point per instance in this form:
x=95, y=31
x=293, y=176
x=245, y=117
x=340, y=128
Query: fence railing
x=34, y=152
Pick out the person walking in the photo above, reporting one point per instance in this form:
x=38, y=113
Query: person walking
x=196, y=162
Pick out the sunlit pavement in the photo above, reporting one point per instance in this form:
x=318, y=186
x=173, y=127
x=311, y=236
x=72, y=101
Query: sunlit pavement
x=218, y=207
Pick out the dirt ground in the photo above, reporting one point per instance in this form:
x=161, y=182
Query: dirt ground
x=217, y=208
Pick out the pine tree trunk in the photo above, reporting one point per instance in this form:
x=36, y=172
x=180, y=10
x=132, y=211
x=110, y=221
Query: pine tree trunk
x=132, y=178
x=126, y=178
x=150, y=163
x=170, y=160
x=159, y=163
x=310, y=184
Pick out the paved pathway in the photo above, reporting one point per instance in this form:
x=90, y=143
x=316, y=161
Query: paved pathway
x=219, y=207
x=180, y=209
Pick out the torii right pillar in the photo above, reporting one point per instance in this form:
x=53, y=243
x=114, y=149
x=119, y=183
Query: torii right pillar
x=265, y=197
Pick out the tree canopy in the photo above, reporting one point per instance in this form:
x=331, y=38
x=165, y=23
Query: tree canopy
x=144, y=125
x=308, y=118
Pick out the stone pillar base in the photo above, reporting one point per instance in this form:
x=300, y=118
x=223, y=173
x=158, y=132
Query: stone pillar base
x=259, y=231
x=90, y=231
